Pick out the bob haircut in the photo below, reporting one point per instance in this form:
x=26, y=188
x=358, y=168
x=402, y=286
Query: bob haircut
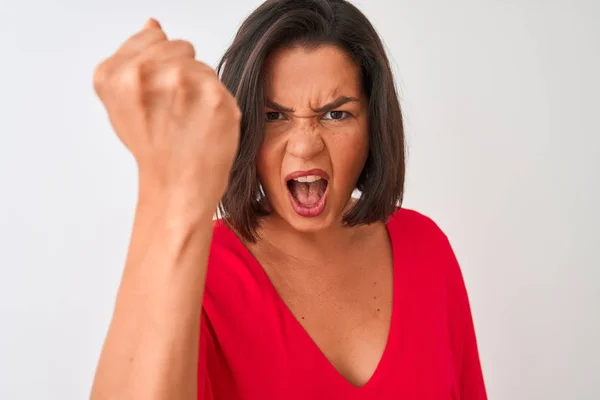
x=310, y=24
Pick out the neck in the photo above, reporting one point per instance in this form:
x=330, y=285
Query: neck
x=310, y=248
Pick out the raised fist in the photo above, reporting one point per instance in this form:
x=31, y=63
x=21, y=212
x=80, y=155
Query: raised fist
x=171, y=111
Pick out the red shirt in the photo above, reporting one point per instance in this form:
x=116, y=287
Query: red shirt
x=253, y=348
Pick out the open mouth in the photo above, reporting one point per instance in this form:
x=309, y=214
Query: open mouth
x=308, y=194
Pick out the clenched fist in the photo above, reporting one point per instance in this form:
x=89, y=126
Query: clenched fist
x=171, y=111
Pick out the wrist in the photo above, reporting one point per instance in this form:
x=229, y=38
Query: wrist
x=179, y=206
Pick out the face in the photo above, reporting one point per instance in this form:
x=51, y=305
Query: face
x=315, y=141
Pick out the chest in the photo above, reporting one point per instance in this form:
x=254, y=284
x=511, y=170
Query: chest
x=299, y=342
x=345, y=309
x=277, y=333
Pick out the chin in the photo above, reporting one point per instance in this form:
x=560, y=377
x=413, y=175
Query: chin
x=309, y=225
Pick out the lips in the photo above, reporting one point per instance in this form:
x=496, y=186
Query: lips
x=307, y=191
x=315, y=172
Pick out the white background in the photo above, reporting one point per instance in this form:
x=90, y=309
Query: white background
x=501, y=106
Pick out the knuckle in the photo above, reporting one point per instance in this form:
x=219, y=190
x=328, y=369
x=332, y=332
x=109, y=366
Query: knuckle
x=177, y=76
x=237, y=113
x=215, y=96
x=204, y=71
x=216, y=100
x=131, y=77
x=100, y=76
x=188, y=47
x=235, y=109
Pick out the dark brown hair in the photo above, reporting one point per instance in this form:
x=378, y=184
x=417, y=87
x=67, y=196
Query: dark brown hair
x=311, y=23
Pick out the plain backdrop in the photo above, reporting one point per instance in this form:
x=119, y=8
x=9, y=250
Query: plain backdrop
x=501, y=107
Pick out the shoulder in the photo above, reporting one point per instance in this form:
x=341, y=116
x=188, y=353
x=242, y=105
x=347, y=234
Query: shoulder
x=428, y=256
x=233, y=273
x=227, y=252
x=412, y=224
x=420, y=242
x=223, y=236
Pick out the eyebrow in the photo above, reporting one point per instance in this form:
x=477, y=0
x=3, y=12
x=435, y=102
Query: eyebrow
x=340, y=101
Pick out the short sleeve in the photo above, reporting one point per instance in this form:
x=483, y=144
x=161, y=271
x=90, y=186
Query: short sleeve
x=469, y=376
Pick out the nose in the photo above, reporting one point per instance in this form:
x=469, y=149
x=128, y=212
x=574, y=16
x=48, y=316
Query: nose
x=305, y=140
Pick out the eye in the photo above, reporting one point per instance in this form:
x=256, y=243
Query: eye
x=336, y=115
x=273, y=116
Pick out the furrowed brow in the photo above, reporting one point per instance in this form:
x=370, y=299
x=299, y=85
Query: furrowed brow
x=278, y=107
x=340, y=101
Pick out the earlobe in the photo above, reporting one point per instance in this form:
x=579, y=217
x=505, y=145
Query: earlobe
x=266, y=204
x=263, y=200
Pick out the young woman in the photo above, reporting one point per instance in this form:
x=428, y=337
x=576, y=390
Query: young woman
x=301, y=291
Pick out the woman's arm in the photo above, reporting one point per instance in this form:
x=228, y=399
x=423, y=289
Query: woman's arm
x=151, y=350
x=182, y=126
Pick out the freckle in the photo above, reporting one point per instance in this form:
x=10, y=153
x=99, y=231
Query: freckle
x=378, y=310
x=374, y=283
x=374, y=297
x=302, y=317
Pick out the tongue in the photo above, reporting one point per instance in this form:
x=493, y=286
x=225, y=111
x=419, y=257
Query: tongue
x=308, y=194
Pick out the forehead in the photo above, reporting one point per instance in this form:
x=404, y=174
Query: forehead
x=299, y=73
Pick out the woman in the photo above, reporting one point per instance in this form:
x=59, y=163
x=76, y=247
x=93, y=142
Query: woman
x=300, y=291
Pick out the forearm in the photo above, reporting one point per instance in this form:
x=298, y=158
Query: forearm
x=151, y=350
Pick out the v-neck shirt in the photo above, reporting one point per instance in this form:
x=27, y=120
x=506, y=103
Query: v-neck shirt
x=252, y=347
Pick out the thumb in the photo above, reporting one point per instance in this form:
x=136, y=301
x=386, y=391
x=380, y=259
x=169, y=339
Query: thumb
x=152, y=23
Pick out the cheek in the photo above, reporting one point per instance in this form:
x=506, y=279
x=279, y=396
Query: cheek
x=268, y=163
x=348, y=154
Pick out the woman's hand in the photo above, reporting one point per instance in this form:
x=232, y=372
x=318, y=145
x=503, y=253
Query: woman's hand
x=182, y=126
x=171, y=111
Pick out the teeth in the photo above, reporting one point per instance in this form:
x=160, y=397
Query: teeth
x=308, y=178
